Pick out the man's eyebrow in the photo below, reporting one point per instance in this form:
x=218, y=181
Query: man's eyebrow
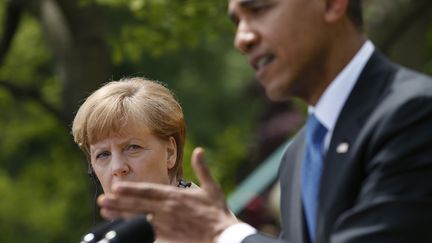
x=249, y=3
x=245, y=4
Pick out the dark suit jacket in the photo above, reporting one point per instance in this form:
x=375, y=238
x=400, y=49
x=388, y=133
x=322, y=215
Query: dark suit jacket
x=380, y=190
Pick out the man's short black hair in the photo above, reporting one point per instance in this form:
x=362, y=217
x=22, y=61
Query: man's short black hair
x=355, y=12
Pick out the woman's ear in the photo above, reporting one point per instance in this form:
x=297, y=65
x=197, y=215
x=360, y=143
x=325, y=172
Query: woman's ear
x=171, y=152
x=335, y=10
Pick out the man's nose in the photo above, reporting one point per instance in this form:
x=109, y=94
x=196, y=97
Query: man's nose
x=120, y=166
x=245, y=38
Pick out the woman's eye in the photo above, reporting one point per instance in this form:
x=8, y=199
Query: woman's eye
x=103, y=155
x=133, y=147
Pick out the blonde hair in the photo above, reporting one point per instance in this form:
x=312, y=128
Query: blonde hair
x=118, y=104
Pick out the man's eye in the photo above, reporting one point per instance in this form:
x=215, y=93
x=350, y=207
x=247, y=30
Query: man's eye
x=256, y=9
x=102, y=155
x=259, y=8
x=234, y=19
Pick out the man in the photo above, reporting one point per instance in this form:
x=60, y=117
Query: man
x=361, y=169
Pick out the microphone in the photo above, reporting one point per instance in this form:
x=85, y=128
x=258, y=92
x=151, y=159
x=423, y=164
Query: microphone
x=99, y=231
x=135, y=230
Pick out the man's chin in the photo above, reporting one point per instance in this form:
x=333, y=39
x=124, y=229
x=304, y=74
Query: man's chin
x=276, y=94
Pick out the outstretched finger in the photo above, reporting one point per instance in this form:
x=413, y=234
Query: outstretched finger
x=202, y=172
x=145, y=190
x=113, y=206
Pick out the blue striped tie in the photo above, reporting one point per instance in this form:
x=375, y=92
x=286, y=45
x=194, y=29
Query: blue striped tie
x=311, y=172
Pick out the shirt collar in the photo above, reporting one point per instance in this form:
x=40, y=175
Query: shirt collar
x=330, y=103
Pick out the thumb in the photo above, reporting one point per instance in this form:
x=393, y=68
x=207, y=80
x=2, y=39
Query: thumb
x=201, y=170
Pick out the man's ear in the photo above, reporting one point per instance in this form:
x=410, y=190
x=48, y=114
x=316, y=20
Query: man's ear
x=171, y=152
x=335, y=10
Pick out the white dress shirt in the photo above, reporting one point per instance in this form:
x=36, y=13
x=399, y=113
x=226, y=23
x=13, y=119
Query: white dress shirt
x=327, y=111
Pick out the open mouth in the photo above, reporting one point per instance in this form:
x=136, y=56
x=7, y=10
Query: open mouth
x=264, y=61
x=260, y=63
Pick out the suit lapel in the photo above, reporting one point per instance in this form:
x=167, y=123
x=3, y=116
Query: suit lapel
x=293, y=221
x=366, y=94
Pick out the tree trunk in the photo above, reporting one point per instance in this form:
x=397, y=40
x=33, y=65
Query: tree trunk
x=75, y=35
x=399, y=28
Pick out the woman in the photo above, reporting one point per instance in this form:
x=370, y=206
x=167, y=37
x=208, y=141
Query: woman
x=132, y=130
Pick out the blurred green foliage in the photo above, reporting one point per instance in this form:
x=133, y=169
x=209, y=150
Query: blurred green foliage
x=46, y=194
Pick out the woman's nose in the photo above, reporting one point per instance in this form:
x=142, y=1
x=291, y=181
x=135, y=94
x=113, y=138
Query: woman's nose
x=120, y=166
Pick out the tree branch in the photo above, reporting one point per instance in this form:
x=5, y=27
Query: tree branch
x=34, y=94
